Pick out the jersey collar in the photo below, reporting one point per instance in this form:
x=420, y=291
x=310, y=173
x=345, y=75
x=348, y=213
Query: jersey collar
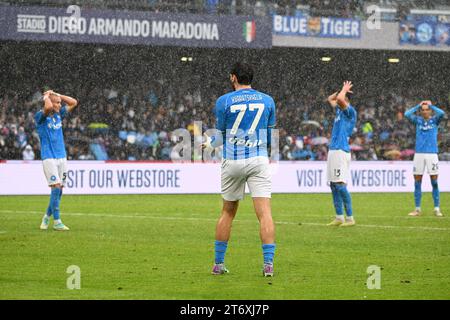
x=250, y=89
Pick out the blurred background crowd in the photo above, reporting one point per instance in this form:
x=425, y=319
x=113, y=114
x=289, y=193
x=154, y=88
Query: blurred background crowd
x=135, y=122
x=131, y=98
x=336, y=8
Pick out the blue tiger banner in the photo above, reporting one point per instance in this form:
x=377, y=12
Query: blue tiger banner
x=323, y=27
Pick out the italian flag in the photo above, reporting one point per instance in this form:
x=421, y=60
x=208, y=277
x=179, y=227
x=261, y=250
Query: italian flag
x=249, y=31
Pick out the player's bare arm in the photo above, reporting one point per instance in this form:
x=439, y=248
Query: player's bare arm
x=332, y=100
x=71, y=102
x=342, y=102
x=48, y=105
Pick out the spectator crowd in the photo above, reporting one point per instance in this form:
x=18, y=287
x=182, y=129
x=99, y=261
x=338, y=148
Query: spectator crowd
x=337, y=8
x=136, y=123
x=131, y=100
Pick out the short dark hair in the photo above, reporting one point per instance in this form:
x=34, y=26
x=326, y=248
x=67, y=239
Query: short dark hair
x=243, y=72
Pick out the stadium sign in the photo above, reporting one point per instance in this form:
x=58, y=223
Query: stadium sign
x=301, y=34
x=424, y=32
x=317, y=27
x=100, y=177
x=133, y=27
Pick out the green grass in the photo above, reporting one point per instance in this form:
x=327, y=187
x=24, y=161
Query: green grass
x=161, y=247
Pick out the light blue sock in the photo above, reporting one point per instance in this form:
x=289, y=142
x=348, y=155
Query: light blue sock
x=346, y=198
x=418, y=193
x=434, y=183
x=54, y=200
x=268, y=252
x=220, y=249
x=337, y=199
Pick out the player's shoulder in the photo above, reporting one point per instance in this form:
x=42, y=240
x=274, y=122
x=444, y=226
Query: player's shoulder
x=222, y=100
x=266, y=97
x=39, y=114
x=437, y=117
x=351, y=109
x=63, y=108
x=419, y=119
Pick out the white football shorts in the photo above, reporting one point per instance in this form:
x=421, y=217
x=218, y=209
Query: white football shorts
x=55, y=171
x=254, y=171
x=426, y=160
x=338, y=166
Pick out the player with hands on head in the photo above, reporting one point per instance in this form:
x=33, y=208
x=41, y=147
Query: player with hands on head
x=53, y=152
x=426, y=155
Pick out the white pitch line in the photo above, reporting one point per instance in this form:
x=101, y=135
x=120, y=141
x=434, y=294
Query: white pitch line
x=214, y=220
x=370, y=226
x=406, y=217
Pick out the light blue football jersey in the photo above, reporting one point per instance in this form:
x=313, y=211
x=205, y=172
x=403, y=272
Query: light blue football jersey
x=344, y=122
x=245, y=117
x=51, y=134
x=426, y=130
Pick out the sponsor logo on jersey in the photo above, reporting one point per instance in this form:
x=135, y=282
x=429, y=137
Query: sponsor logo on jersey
x=248, y=143
x=427, y=126
x=54, y=126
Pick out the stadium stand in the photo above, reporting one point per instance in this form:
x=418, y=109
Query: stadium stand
x=338, y=8
x=132, y=119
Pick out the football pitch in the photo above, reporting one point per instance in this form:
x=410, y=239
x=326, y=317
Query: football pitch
x=161, y=247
